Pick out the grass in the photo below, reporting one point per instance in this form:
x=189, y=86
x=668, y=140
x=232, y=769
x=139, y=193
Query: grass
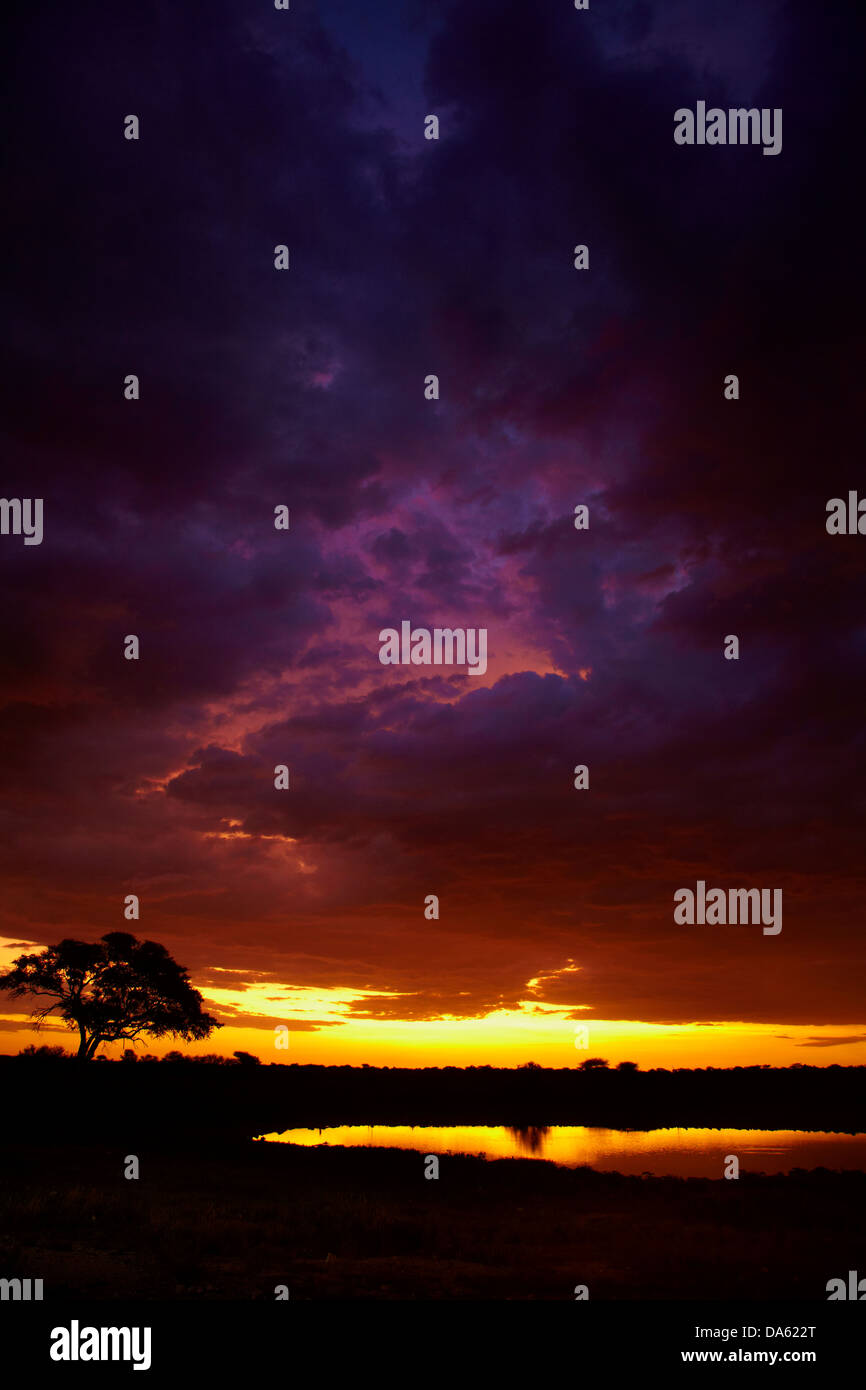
x=233, y=1221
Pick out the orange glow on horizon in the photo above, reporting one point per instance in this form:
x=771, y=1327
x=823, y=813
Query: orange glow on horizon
x=504, y=1039
x=327, y=1027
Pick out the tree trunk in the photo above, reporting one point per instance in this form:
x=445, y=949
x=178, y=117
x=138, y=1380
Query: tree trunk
x=83, y=1045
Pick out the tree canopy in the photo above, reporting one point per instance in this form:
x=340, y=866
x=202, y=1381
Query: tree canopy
x=117, y=987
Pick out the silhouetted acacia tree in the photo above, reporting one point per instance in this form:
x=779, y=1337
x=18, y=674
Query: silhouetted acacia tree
x=118, y=987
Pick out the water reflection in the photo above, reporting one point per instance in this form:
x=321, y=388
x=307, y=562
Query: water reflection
x=530, y=1138
x=679, y=1152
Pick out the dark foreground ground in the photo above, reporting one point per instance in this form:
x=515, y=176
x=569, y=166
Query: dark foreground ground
x=233, y=1221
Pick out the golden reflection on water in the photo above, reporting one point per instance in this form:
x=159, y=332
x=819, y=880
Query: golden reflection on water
x=680, y=1152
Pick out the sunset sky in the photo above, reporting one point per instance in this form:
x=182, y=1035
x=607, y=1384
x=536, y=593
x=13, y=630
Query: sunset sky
x=558, y=387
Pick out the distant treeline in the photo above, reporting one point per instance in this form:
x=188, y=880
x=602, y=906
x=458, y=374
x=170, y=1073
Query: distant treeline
x=57, y=1096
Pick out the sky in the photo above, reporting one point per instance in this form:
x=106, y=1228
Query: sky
x=558, y=387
